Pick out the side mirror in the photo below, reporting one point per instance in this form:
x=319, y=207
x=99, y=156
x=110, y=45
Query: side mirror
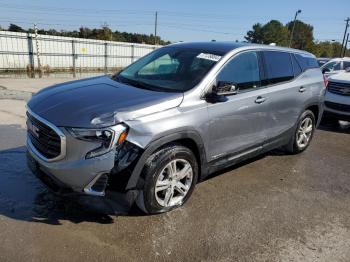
x=347, y=69
x=223, y=88
x=325, y=70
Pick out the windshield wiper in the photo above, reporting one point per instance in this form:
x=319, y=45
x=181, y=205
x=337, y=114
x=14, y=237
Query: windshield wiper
x=135, y=83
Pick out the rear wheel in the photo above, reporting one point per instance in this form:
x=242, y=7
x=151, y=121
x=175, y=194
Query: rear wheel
x=170, y=177
x=303, y=133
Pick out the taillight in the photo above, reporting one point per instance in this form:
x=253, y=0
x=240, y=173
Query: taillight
x=325, y=80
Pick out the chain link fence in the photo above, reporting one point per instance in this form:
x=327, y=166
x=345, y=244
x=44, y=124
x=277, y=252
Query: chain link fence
x=30, y=54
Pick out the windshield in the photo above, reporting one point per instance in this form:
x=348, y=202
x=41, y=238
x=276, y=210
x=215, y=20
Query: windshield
x=332, y=65
x=169, y=69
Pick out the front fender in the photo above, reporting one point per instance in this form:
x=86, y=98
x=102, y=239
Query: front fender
x=136, y=180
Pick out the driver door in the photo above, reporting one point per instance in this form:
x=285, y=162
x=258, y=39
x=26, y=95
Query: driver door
x=237, y=124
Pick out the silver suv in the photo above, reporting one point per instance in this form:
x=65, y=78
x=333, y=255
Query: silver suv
x=167, y=121
x=337, y=98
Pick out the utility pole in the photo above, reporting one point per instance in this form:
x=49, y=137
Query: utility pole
x=295, y=19
x=346, y=44
x=346, y=30
x=155, y=28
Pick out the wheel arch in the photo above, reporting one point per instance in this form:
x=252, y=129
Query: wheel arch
x=190, y=139
x=317, y=110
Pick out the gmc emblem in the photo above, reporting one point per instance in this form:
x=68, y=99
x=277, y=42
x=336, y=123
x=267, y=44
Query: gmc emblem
x=34, y=130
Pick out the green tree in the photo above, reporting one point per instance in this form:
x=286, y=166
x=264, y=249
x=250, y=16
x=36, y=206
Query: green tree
x=303, y=35
x=272, y=32
x=326, y=49
x=275, y=32
x=255, y=35
x=15, y=28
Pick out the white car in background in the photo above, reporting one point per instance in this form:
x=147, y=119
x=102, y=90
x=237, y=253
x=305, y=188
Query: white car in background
x=335, y=66
x=337, y=98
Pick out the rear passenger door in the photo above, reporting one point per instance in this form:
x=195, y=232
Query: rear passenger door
x=285, y=94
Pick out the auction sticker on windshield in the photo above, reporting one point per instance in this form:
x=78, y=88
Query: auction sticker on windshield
x=207, y=56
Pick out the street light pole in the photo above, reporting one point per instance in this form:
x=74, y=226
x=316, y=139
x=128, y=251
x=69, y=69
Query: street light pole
x=295, y=19
x=155, y=28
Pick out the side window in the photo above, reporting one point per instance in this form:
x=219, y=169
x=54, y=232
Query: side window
x=336, y=67
x=346, y=64
x=243, y=71
x=278, y=66
x=306, y=62
x=296, y=67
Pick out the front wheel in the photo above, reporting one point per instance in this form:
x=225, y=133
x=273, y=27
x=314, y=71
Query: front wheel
x=170, y=177
x=304, y=132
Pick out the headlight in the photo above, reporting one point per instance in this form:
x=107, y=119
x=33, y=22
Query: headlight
x=109, y=138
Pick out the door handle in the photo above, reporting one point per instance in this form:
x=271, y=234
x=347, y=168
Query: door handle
x=260, y=100
x=302, y=89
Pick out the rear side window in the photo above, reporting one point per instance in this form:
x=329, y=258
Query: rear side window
x=306, y=62
x=296, y=67
x=346, y=65
x=278, y=66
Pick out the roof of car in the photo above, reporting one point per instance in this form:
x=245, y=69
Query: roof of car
x=224, y=47
x=340, y=59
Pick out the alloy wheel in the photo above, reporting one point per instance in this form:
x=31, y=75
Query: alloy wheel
x=304, y=132
x=173, y=183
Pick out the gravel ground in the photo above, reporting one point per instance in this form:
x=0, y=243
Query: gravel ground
x=273, y=208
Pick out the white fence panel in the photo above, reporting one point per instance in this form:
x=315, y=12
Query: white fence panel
x=18, y=51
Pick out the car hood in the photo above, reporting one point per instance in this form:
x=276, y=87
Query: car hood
x=341, y=77
x=76, y=103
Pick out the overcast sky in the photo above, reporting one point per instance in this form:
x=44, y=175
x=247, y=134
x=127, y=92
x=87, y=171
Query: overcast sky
x=178, y=19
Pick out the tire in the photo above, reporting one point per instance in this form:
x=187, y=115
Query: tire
x=295, y=146
x=158, y=174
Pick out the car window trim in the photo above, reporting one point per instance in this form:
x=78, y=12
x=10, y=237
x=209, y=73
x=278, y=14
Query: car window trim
x=209, y=86
x=262, y=65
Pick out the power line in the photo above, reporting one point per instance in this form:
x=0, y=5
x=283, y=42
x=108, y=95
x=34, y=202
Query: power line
x=184, y=15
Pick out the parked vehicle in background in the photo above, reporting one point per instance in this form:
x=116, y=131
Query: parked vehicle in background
x=335, y=66
x=172, y=118
x=322, y=60
x=337, y=98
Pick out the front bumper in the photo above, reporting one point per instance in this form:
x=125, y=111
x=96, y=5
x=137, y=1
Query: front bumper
x=76, y=175
x=337, y=106
x=71, y=176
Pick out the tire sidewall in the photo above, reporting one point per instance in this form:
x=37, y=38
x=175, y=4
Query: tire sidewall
x=153, y=169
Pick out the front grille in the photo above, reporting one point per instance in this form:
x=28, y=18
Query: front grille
x=43, y=137
x=339, y=107
x=339, y=88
